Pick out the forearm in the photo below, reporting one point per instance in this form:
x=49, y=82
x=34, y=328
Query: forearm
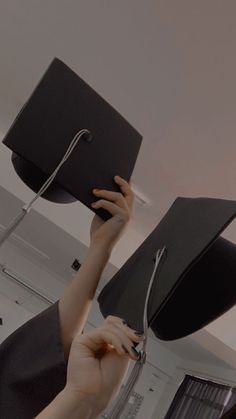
x=75, y=303
x=65, y=406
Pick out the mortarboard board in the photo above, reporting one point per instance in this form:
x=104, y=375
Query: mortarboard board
x=61, y=105
x=196, y=282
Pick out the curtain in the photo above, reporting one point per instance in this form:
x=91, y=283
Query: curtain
x=231, y=402
x=198, y=399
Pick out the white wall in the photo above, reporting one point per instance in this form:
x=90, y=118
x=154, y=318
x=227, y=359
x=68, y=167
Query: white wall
x=163, y=366
x=33, y=273
x=27, y=304
x=161, y=363
x=225, y=334
x=13, y=316
x=214, y=373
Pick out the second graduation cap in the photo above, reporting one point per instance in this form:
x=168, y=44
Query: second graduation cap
x=61, y=105
x=195, y=283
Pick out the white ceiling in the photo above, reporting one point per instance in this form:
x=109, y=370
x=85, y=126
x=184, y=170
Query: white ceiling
x=47, y=243
x=168, y=66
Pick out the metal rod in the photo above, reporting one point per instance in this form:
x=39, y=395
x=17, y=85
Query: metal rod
x=12, y=226
x=26, y=286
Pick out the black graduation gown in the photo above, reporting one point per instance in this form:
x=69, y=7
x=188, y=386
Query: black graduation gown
x=32, y=366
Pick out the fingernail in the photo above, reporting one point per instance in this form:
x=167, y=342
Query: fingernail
x=125, y=349
x=136, y=353
x=139, y=333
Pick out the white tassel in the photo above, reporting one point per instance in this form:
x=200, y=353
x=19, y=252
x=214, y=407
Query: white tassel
x=25, y=210
x=125, y=394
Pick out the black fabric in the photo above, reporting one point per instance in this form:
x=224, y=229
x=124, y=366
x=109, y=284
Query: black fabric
x=230, y=408
x=196, y=280
x=230, y=414
x=61, y=105
x=32, y=366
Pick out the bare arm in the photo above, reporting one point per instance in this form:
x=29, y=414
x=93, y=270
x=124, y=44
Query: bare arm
x=65, y=406
x=75, y=303
x=97, y=365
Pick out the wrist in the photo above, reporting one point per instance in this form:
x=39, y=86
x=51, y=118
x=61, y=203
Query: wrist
x=77, y=406
x=68, y=405
x=81, y=402
x=101, y=248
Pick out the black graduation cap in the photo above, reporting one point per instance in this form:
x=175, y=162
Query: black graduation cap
x=196, y=281
x=61, y=105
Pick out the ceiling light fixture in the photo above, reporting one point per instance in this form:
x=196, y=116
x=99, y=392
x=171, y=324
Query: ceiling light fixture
x=140, y=198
